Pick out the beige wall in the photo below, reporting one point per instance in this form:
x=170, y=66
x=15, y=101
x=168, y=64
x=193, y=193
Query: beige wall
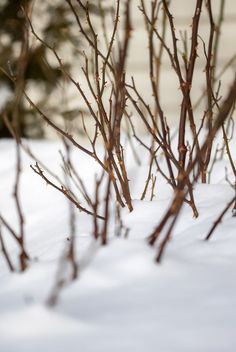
x=183, y=11
x=138, y=55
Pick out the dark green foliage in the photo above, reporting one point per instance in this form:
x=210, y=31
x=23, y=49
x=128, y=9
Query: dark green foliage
x=28, y=63
x=12, y=19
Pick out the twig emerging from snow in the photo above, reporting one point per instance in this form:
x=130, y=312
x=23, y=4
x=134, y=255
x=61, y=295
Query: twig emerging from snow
x=178, y=199
x=5, y=253
x=219, y=219
x=63, y=190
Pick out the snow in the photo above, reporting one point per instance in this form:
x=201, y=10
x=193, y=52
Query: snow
x=122, y=300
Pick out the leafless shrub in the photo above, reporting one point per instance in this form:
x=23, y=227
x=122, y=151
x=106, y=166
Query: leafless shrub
x=112, y=101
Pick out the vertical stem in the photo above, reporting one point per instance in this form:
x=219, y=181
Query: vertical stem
x=5, y=253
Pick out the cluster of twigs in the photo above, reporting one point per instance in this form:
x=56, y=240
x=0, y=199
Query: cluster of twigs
x=111, y=102
x=18, y=235
x=13, y=127
x=191, y=162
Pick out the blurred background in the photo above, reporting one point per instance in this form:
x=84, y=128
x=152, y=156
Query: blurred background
x=24, y=57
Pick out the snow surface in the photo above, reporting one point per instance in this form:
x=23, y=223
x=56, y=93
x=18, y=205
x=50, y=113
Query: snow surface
x=122, y=300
